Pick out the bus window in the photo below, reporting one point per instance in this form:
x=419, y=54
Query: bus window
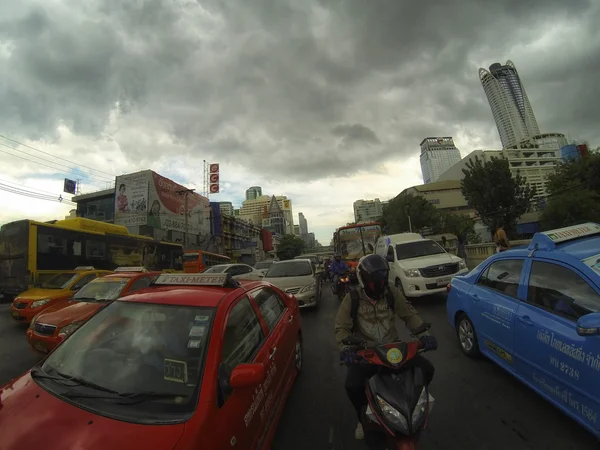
x=14, y=264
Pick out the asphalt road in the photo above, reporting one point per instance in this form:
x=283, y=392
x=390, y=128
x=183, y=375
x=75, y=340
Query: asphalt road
x=478, y=406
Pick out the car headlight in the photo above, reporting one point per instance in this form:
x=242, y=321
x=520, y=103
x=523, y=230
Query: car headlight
x=69, y=329
x=394, y=416
x=412, y=272
x=310, y=287
x=462, y=264
x=421, y=406
x=39, y=303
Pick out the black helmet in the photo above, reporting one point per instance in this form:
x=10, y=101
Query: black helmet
x=337, y=257
x=372, y=273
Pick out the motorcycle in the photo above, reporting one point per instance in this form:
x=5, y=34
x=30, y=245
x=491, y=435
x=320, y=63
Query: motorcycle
x=399, y=402
x=343, y=286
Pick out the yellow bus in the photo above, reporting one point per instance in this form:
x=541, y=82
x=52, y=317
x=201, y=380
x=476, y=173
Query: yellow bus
x=31, y=251
x=196, y=261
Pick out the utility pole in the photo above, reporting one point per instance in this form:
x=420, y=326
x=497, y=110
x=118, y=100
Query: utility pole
x=408, y=214
x=185, y=192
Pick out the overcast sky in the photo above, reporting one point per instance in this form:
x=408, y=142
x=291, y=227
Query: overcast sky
x=323, y=101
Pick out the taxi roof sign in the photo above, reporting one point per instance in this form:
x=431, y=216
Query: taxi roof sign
x=130, y=269
x=85, y=268
x=196, y=279
x=547, y=240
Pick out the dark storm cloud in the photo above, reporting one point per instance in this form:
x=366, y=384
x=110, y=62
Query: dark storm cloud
x=306, y=86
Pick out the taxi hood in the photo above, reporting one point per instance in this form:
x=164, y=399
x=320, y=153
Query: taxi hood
x=39, y=293
x=68, y=312
x=30, y=417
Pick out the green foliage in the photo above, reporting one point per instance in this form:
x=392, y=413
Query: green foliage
x=455, y=223
x=395, y=214
x=497, y=196
x=289, y=247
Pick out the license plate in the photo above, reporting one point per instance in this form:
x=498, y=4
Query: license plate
x=41, y=347
x=15, y=314
x=443, y=281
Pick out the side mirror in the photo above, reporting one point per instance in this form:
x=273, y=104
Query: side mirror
x=589, y=325
x=389, y=258
x=247, y=375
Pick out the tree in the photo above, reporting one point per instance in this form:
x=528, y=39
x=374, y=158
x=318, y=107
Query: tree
x=396, y=212
x=497, y=196
x=289, y=247
x=455, y=223
x=574, y=193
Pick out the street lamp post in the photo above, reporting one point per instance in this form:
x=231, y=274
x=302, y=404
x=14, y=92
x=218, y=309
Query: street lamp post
x=185, y=192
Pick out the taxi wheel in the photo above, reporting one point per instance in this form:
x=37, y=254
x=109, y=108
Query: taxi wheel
x=298, y=354
x=467, y=337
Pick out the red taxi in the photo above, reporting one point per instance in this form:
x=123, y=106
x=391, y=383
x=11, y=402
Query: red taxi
x=194, y=361
x=52, y=325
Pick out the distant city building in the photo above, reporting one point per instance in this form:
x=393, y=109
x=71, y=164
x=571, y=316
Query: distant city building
x=226, y=208
x=303, y=223
x=509, y=103
x=438, y=154
x=274, y=219
x=368, y=210
x=297, y=230
x=255, y=210
x=253, y=192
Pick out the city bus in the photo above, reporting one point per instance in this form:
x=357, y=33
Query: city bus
x=31, y=251
x=355, y=241
x=196, y=261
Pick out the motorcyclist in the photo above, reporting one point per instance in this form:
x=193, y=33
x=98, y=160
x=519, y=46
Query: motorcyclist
x=326, y=265
x=375, y=323
x=337, y=268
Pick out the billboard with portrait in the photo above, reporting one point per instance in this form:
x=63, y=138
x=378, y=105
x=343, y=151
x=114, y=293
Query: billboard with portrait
x=131, y=199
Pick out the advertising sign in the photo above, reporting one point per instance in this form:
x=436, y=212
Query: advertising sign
x=131, y=199
x=167, y=208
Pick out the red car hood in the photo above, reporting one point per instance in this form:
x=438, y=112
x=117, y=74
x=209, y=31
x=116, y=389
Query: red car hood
x=31, y=418
x=68, y=312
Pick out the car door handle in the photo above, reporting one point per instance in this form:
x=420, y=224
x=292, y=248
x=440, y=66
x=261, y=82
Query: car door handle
x=291, y=319
x=475, y=297
x=525, y=319
x=272, y=354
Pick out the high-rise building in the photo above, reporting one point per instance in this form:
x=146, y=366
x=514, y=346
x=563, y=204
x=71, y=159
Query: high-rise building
x=226, y=208
x=255, y=210
x=253, y=192
x=438, y=154
x=368, y=210
x=509, y=103
x=303, y=224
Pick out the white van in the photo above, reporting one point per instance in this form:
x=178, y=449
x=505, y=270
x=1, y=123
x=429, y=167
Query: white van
x=419, y=266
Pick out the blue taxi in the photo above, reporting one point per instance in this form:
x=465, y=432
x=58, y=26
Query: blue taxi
x=535, y=311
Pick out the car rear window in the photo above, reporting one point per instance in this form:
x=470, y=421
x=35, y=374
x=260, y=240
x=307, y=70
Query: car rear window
x=290, y=269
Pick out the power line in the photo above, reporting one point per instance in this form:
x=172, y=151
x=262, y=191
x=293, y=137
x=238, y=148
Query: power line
x=46, y=164
x=56, y=157
x=36, y=196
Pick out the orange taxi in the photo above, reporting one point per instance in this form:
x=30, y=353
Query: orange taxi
x=52, y=325
x=194, y=361
x=52, y=291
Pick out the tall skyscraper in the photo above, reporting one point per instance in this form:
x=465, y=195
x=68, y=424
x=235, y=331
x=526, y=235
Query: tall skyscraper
x=303, y=224
x=438, y=154
x=509, y=103
x=253, y=192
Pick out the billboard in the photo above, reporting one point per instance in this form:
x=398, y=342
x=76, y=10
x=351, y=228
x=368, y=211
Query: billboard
x=147, y=198
x=131, y=199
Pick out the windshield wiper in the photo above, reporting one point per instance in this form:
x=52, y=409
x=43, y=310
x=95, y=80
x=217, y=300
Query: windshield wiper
x=144, y=396
x=37, y=372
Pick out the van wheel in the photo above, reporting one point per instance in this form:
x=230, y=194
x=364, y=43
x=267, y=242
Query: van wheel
x=467, y=337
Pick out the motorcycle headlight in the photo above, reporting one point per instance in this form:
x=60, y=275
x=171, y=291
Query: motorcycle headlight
x=462, y=264
x=69, y=329
x=39, y=303
x=310, y=287
x=412, y=273
x=394, y=416
x=421, y=406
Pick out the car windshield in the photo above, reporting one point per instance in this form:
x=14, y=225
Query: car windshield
x=216, y=269
x=139, y=362
x=101, y=289
x=418, y=249
x=60, y=281
x=289, y=269
x=263, y=265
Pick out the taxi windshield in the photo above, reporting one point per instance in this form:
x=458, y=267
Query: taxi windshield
x=138, y=362
x=60, y=281
x=101, y=289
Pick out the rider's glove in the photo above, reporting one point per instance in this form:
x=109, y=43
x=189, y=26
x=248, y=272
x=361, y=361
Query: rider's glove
x=429, y=342
x=348, y=356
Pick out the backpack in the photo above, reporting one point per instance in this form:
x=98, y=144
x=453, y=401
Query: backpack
x=355, y=300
